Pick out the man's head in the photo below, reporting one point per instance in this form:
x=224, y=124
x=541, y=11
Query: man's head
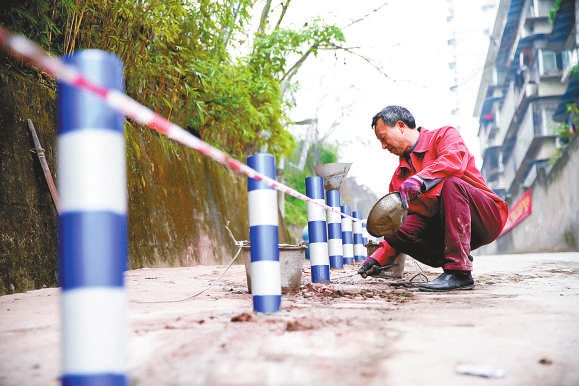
x=395, y=128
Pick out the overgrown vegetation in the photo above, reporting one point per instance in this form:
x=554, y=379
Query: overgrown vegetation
x=554, y=10
x=565, y=131
x=178, y=59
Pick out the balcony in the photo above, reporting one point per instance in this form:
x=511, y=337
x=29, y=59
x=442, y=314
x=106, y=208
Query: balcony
x=534, y=172
x=492, y=167
x=540, y=149
x=536, y=25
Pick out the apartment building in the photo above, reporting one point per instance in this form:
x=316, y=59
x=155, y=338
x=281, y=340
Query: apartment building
x=526, y=86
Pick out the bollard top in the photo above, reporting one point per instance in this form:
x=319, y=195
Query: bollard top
x=80, y=109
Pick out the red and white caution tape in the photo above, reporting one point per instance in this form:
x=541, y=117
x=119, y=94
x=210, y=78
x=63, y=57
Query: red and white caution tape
x=29, y=51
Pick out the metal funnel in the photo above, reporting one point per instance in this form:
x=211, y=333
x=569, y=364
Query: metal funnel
x=333, y=174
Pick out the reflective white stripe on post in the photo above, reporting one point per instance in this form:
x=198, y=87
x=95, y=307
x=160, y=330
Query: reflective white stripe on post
x=94, y=321
x=88, y=161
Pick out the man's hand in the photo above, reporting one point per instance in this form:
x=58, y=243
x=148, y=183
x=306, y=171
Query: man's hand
x=369, y=267
x=382, y=256
x=410, y=189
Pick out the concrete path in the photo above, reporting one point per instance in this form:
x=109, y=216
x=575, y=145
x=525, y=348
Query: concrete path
x=520, y=324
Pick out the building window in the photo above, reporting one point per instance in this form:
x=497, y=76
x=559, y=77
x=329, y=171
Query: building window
x=543, y=119
x=550, y=63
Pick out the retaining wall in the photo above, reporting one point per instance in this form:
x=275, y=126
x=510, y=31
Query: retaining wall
x=179, y=200
x=553, y=225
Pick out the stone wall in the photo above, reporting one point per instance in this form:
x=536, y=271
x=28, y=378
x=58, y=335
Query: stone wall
x=28, y=217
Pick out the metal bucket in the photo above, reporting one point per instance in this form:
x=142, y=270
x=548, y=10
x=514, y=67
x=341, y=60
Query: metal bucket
x=387, y=215
x=291, y=261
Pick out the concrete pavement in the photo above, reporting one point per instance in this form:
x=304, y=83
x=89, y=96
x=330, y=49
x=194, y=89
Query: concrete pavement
x=520, y=323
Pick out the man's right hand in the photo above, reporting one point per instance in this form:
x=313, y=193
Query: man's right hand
x=410, y=189
x=369, y=267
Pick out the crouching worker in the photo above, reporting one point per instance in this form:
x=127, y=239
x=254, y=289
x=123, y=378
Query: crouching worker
x=451, y=210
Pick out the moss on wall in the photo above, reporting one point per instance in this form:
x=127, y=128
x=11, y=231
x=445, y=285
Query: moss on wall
x=28, y=218
x=179, y=200
x=179, y=203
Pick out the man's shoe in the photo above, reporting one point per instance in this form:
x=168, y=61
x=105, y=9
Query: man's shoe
x=449, y=281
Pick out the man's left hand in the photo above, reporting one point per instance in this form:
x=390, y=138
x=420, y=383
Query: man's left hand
x=410, y=189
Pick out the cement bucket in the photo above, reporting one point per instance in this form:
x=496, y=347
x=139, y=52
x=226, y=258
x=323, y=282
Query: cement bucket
x=333, y=174
x=291, y=261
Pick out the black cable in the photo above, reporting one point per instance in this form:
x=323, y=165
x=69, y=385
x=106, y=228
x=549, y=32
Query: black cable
x=196, y=293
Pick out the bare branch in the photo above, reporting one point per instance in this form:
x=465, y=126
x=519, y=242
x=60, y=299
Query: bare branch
x=263, y=18
x=329, y=132
x=375, y=10
x=226, y=34
x=307, y=121
x=294, y=69
x=352, y=52
x=284, y=8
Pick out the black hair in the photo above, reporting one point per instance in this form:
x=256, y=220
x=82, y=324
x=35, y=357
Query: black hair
x=392, y=114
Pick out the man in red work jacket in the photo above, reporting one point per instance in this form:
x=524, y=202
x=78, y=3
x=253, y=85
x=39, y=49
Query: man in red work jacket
x=451, y=209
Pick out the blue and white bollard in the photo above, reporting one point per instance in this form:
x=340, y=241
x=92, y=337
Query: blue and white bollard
x=263, y=237
x=334, y=230
x=347, y=239
x=93, y=248
x=319, y=259
x=359, y=248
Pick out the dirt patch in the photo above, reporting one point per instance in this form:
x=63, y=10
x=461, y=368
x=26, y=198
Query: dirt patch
x=185, y=328
x=245, y=317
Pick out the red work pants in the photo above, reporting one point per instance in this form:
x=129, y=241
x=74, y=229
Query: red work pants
x=467, y=219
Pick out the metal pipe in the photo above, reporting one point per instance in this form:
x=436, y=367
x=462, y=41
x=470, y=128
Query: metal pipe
x=44, y=164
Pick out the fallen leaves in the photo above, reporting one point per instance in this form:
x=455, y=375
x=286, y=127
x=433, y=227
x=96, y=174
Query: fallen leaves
x=244, y=317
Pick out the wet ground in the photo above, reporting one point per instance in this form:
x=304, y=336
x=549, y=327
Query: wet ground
x=195, y=326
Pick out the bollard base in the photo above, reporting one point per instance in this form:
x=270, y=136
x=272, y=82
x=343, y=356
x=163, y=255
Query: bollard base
x=266, y=304
x=95, y=379
x=336, y=262
x=320, y=273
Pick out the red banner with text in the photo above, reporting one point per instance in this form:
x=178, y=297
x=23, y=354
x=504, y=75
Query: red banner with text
x=518, y=212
